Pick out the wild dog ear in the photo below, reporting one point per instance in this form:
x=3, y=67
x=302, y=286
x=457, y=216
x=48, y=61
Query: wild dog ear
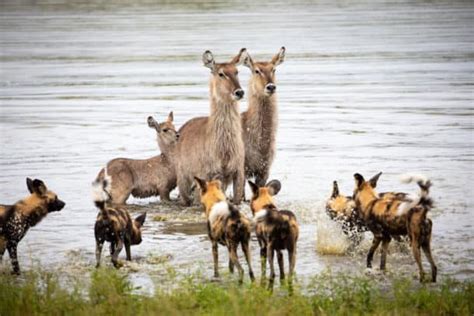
x=248, y=62
x=170, y=117
x=335, y=190
x=359, y=179
x=208, y=60
x=279, y=58
x=201, y=183
x=253, y=187
x=274, y=187
x=153, y=124
x=239, y=58
x=140, y=220
x=374, y=179
x=39, y=187
x=29, y=185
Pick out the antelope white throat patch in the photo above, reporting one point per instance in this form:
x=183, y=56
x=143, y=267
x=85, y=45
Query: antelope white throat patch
x=260, y=214
x=218, y=210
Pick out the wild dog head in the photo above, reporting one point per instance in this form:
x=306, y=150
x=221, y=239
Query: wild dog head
x=263, y=197
x=225, y=85
x=262, y=81
x=339, y=206
x=42, y=197
x=167, y=135
x=211, y=193
x=137, y=229
x=364, y=191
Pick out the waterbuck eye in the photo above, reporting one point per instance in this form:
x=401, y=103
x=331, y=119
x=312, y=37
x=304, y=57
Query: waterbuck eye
x=166, y=130
x=221, y=75
x=257, y=71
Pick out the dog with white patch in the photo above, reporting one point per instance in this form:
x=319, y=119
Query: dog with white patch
x=397, y=214
x=225, y=226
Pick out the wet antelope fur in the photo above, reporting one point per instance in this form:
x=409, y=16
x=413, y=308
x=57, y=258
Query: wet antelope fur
x=259, y=122
x=396, y=214
x=145, y=177
x=276, y=230
x=225, y=226
x=17, y=219
x=212, y=146
x=114, y=224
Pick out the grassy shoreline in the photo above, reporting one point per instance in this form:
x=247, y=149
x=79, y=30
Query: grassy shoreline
x=108, y=291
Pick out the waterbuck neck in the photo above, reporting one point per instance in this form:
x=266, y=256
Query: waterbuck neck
x=262, y=115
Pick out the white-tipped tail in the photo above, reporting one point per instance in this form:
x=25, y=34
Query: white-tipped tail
x=101, y=188
x=418, y=178
x=416, y=198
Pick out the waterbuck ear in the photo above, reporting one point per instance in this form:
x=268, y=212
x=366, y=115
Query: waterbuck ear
x=170, y=117
x=140, y=220
x=335, y=190
x=29, y=185
x=39, y=187
x=201, y=183
x=274, y=187
x=208, y=60
x=248, y=61
x=359, y=179
x=279, y=58
x=239, y=58
x=153, y=124
x=253, y=187
x=374, y=179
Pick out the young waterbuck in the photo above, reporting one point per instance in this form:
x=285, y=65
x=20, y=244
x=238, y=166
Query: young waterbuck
x=259, y=122
x=212, y=146
x=145, y=177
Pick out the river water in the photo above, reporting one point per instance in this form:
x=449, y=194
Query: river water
x=364, y=88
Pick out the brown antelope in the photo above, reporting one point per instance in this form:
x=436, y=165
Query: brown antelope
x=260, y=121
x=396, y=214
x=225, y=226
x=276, y=230
x=145, y=177
x=212, y=146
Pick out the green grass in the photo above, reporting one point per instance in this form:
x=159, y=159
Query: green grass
x=109, y=292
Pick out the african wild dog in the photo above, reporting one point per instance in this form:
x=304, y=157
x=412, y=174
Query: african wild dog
x=16, y=219
x=276, y=230
x=343, y=209
x=259, y=122
x=114, y=224
x=212, y=146
x=145, y=177
x=396, y=214
x=225, y=226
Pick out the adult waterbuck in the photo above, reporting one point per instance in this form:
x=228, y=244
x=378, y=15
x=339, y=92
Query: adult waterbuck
x=260, y=120
x=212, y=147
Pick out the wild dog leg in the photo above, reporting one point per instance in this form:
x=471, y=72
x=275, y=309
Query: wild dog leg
x=427, y=250
x=370, y=255
x=215, y=257
x=98, y=251
x=3, y=247
x=12, y=246
x=292, y=260
x=281, y=264
x=383, y=256
x=118, y=249
x=415, y=246
x=231, y=266
x=112, y=248
x=235, y=261
x=270, y=262
x=128, y=251
x=246, y=251
x=263, y=259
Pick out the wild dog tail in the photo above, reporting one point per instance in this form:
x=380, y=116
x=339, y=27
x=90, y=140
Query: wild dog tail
x=424, y=183
x=335, y=190
x=101, y=189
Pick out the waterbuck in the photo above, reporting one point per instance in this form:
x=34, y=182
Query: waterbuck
x=145, y=177
x=260, y=121
x=212, y=146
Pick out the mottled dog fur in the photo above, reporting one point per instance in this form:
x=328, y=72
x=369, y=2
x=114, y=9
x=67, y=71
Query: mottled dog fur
x=145, y=177
x=225, y=226
x=114, y=224
x=396, y=214
x=276, y=230
x=16, y=219
x=259, y=122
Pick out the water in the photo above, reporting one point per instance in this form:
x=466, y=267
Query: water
x=364, y=88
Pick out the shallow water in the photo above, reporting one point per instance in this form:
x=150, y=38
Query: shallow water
x=364, y=88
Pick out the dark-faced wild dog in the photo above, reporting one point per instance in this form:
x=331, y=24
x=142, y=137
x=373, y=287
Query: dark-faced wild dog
x=276, y=230
x=259, y=122
x=16, y=219
x=212, y=146
x=225, y=226
x=343, y=209
x=114, y=224
x=145, y=177
x=397, y=214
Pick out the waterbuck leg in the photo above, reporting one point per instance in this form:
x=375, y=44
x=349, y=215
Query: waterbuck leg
x=238, y=186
